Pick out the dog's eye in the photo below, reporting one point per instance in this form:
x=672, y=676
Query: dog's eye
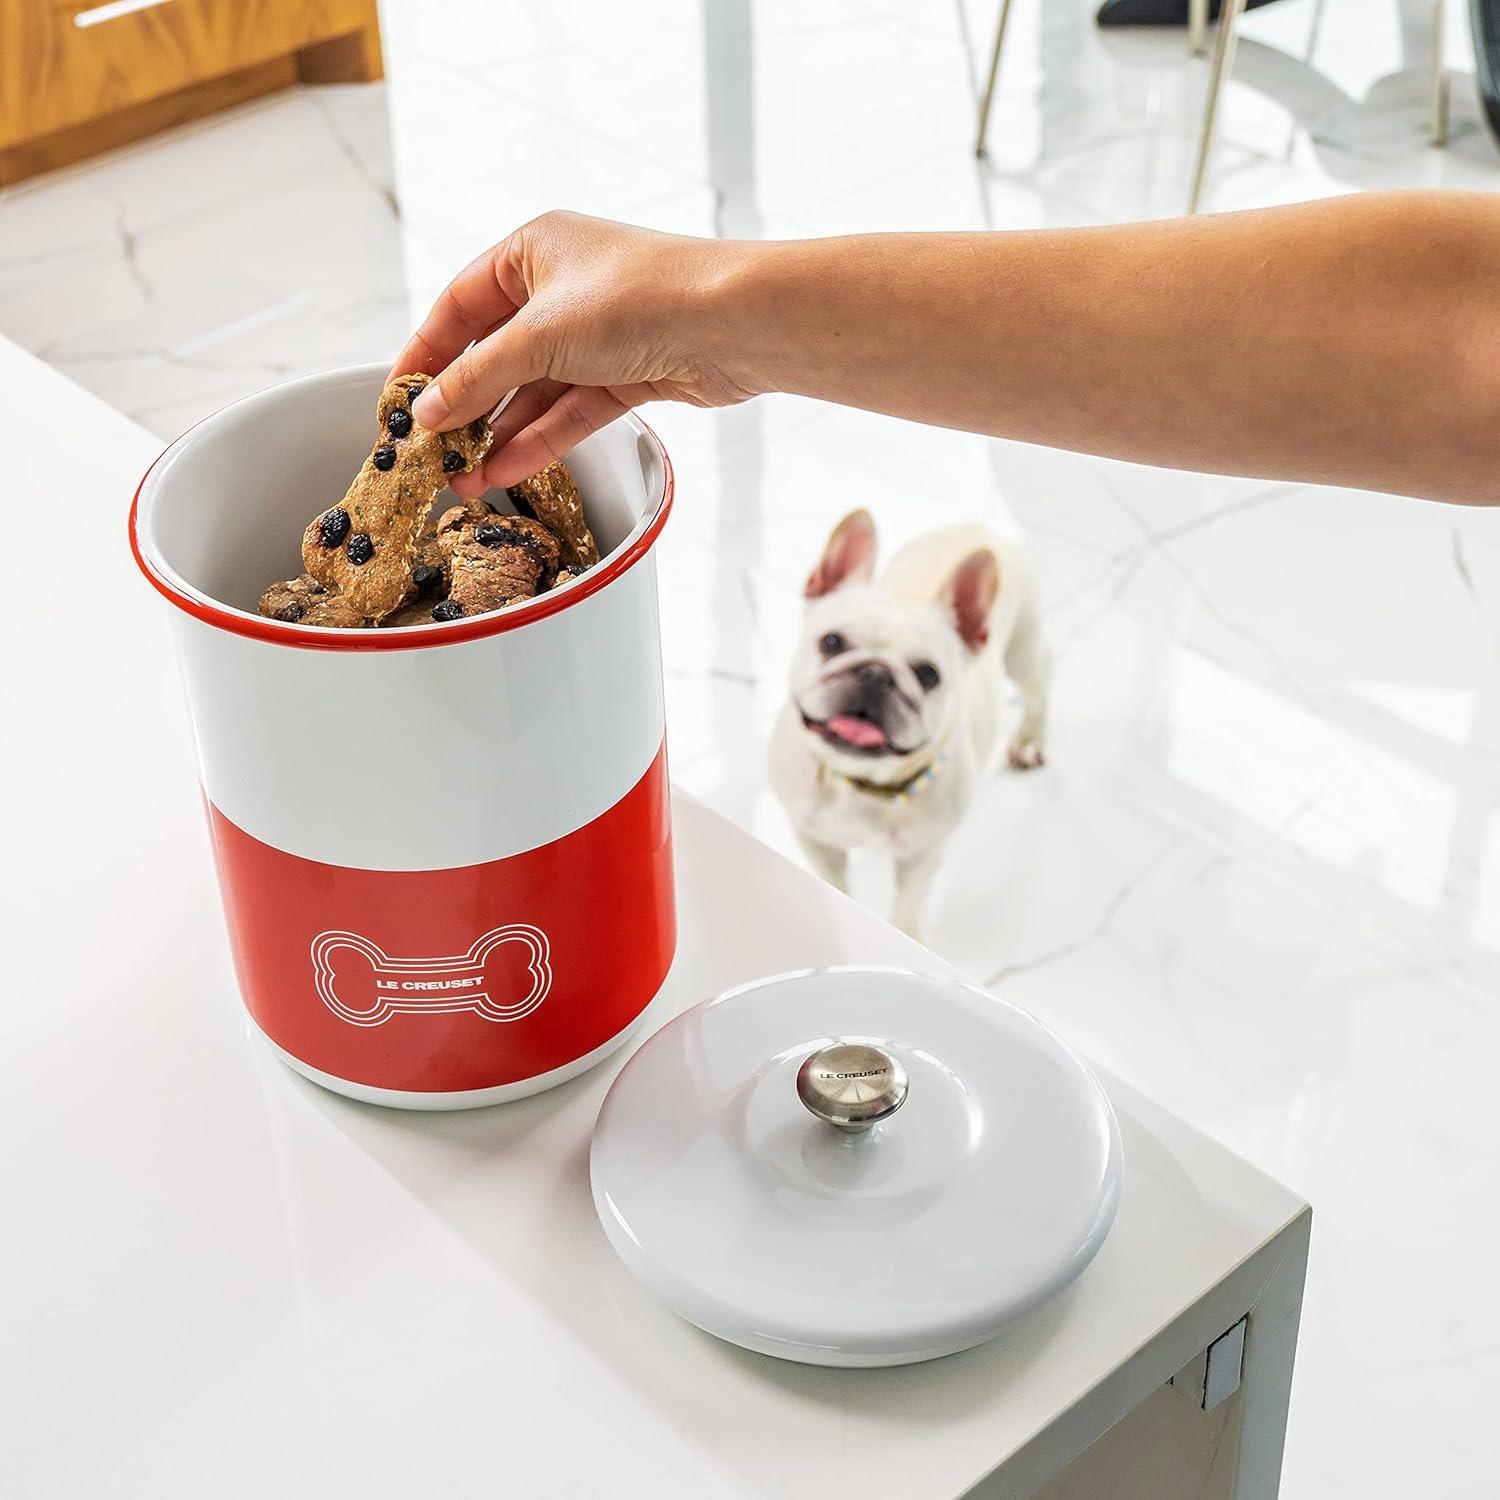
x=928, y=675
x=833, y=644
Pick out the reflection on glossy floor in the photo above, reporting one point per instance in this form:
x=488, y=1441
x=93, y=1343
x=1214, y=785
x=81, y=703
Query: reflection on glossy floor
x=1261, y=875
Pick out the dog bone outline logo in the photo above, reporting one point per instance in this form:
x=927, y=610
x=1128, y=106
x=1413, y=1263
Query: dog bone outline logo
x=403, y=975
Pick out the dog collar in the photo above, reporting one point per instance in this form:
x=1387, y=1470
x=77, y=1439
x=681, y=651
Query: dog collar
x=914, y=785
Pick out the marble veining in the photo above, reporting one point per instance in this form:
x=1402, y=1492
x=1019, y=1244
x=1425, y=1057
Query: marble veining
x=1260, y=877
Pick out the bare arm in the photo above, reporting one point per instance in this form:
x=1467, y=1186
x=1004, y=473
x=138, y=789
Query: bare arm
x=1351, y=341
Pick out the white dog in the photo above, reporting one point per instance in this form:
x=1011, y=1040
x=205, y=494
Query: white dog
x=897, y=690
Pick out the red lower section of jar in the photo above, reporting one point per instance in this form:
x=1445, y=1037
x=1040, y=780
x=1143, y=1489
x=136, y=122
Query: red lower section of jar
x=434, y=981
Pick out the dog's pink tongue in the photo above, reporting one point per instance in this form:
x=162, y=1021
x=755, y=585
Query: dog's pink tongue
x=859, y=732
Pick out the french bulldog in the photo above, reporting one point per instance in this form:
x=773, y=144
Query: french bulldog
x=897, y=690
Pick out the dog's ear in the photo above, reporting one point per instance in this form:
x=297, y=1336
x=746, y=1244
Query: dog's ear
x=969, y=595
x=849, y=556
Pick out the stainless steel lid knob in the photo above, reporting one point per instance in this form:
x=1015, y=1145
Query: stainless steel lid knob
x=852, y=1086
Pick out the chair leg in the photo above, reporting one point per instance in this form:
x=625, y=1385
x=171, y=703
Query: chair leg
x=1439, y=77
x=989, y=87
x=1223, y=62
x=1197, y=27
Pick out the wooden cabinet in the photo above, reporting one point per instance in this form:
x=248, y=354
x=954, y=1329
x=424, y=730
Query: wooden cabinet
x=80, y=76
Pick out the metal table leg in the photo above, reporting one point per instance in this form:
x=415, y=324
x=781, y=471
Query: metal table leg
x=1219, y=75
x=1197, y=27
x=989, y=87
x=1439, y=77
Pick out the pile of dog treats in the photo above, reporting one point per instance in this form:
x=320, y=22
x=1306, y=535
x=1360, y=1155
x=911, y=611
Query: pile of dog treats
x=374, y=559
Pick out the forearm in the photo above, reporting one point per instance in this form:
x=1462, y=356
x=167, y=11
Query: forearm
x=1353, y=341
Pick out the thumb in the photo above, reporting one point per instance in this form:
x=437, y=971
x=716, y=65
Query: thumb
x=470, y=387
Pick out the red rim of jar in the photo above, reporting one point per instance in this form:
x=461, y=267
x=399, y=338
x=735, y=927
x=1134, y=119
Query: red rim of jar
x=413, y=637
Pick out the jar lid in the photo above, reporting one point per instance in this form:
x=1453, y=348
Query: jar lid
x=855, y=1166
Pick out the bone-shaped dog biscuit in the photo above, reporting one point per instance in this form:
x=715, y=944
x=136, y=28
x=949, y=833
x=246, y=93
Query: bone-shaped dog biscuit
x=364, y=548
x=365, y=986
x=553, y=499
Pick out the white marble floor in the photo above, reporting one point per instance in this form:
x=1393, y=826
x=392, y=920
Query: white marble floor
x=1261, y=875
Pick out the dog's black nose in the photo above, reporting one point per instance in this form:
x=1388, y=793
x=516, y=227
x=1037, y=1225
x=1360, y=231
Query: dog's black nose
x=875, y=677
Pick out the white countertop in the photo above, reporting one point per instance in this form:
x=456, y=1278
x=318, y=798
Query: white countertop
x=219, y=1279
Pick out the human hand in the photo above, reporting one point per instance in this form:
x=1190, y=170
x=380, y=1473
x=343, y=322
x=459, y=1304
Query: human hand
x=585, y=319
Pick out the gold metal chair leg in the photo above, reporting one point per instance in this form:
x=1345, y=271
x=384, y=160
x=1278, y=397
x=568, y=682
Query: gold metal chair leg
x=1439, y=77
x=1223, y=62
x=989, y=87
x=1197, y=27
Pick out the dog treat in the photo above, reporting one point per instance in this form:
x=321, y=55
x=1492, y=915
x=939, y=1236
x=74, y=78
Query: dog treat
x=305, y=601
x=494, y=560
x=476, y=514
x=418, y=612
x=376, y=558
x=552, y=498
x=465, y=513
x=364, y=549
x=429, y=556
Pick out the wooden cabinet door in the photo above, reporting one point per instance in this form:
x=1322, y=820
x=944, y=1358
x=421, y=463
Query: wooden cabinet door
x=66, y=62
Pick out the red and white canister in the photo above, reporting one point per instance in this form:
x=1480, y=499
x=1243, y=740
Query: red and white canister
x=444, y=850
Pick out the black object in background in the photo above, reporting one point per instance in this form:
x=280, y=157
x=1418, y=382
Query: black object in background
x=1484, y=17
x=1169, y=12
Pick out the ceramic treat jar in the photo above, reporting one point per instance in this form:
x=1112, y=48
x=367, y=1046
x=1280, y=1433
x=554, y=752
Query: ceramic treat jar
x=444, y=851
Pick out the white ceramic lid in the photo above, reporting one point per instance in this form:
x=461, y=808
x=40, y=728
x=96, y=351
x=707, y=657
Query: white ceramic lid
x=989, y=1190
